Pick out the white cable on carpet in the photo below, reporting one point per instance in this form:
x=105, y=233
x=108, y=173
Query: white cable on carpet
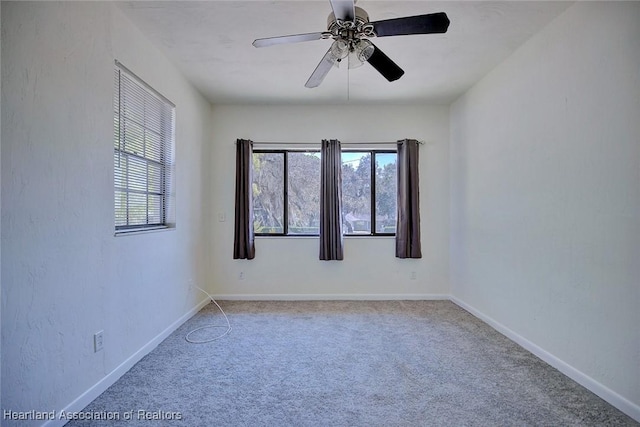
x=210, y=326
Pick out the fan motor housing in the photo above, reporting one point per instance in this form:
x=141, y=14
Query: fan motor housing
x=361, y=18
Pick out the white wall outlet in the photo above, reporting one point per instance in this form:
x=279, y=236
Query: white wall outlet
x=222, y=217
x=241, y=275
x=413, y=275
x=98, y=341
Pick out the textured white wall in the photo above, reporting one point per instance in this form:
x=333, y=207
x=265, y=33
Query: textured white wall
x=289, y=267
x=545, y=171
x=64, y=274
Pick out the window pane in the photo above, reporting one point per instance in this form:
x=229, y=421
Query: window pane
x=268, y=193
x=386, y=184
x=121, y=208
x=137, y=214
x=304, y=193
x=356, y=192
x=133, y=138
x=153, y=121
x=154, y=178
x=120, y=170
x=155, y=209
x=153, y=146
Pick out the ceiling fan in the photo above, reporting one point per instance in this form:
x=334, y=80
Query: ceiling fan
x=349, y=27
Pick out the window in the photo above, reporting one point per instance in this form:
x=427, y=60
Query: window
x=369, y=192
x=286, y=192
x=144, y=124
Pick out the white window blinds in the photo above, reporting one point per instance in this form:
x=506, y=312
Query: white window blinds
x=144, y=124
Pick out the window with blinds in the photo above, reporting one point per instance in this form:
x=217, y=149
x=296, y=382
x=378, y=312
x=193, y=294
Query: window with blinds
x=144, y=124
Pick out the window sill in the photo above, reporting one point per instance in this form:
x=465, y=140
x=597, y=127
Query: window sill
x=146, y=230
x=287, y=236
x=315, y=236
x=370, y=236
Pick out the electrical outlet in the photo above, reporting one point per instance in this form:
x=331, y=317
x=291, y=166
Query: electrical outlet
x=98, y=341
x=413, y=275
x=222, y=217
x=241, y=275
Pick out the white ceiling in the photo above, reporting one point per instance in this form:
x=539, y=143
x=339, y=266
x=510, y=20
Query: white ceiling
x=210, y=41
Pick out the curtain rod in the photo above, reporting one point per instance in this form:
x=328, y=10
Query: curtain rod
x=318, y=143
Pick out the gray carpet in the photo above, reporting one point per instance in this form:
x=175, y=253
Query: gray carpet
x=348, y=363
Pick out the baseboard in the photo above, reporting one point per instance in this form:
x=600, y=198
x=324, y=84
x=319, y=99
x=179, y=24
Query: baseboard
x=329, y=297
x=581, y=378
x=88, y=396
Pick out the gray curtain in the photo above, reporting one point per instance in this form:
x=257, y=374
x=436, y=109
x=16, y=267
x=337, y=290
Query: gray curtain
x=331, y=201
x=408, y=222
x=243, y=239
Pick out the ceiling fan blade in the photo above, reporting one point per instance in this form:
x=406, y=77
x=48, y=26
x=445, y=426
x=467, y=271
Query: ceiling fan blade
x=385, y=66
x=321, y=71
x=295, y=38
x=343, y=9
x=421, y=24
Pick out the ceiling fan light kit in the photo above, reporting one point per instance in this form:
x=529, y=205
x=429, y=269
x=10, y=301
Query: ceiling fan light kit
x=350, y=29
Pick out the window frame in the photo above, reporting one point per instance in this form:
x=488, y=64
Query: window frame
x=372, y=176
x=285, y=184
x=285, y=195
x=165, y=114
x=285, y=220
